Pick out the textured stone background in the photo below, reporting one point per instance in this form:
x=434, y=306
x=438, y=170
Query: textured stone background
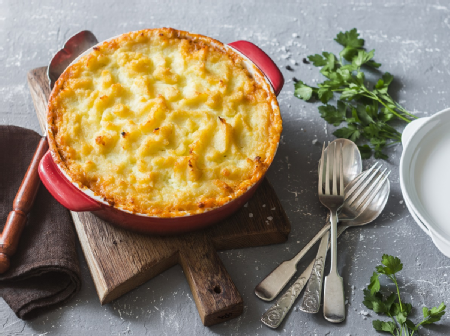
x=411, y=41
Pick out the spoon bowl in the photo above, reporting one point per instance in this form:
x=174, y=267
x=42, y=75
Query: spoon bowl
x=374, y=207
x=352, y=165
x=74, y=47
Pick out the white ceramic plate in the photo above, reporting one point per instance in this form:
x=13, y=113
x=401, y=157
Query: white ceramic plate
x=425, y=175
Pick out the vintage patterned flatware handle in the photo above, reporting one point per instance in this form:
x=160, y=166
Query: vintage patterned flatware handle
x=276, y=314
x=312, y=298
x=313, y=292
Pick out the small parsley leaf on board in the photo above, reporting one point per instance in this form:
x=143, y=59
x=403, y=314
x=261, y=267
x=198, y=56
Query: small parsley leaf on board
x=368, y=107
x=392, y=305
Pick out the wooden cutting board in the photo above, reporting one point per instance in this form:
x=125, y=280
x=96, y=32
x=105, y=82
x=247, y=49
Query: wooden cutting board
x=121, y=260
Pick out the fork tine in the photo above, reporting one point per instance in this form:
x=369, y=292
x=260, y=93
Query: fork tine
x=335, y=167
x=364, y=181
x=368, y=179
x=365, y=190
x=327, y=175
x=322, y=159
x=341, y=174
x=373, y=191
x=361, y=180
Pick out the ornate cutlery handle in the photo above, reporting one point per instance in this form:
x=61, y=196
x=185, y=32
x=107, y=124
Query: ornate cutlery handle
x=276, y=314
x=313, y=291
x=274, y=283
x=333, y=296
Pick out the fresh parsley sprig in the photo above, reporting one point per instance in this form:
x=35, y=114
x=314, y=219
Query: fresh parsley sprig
x=366, y=110
x=392, y=305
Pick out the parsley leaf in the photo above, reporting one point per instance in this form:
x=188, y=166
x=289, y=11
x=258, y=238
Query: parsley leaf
x=411, y=325
x=362, y=58
x=390, y=302
x=384, y=82
x=348, y=53
x=374, y=285
x=318, y=60
x=401, y=317
x=371, y=106
x=434, y=314
x=350, y=39
x=332, y=114
x=325, y=94
x=393, y=306
x=351, y=132
x=392, y=264
x=385, y=326
x=374, y=301
x=303, y=91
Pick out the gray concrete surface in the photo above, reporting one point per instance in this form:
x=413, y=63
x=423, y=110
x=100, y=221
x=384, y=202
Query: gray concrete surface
x=411, y=41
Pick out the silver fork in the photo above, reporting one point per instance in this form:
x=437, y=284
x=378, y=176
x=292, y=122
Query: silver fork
x=333, y=199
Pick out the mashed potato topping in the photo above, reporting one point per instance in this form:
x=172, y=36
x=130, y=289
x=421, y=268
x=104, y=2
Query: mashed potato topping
x=163, y=122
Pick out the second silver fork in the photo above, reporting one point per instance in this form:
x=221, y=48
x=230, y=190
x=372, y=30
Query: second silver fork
x=333, y=199
x=358, y=196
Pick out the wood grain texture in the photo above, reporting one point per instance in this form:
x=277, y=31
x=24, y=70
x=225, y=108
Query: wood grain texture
x=40, y=91
x=121, y=260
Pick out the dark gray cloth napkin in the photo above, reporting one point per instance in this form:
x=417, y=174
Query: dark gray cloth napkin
x=45, y=270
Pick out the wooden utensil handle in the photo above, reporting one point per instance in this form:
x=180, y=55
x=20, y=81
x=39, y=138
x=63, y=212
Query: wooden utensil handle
x=9, y=239
x=215, y=294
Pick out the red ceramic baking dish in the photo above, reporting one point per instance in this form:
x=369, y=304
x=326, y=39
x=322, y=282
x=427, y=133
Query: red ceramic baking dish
x=74, y=198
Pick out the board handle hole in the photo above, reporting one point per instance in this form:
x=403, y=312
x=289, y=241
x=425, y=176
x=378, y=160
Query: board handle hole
x=217, y=289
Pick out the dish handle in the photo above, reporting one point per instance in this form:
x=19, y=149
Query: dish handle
x=438, y=242
x=262, y=61
x=411, y=128
x=62, y=189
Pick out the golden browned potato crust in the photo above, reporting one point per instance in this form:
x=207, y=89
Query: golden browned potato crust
x=163, y=122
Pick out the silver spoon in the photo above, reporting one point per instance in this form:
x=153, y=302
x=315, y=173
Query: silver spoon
x=74, y=47
x=276, y=314
x=274, y=283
